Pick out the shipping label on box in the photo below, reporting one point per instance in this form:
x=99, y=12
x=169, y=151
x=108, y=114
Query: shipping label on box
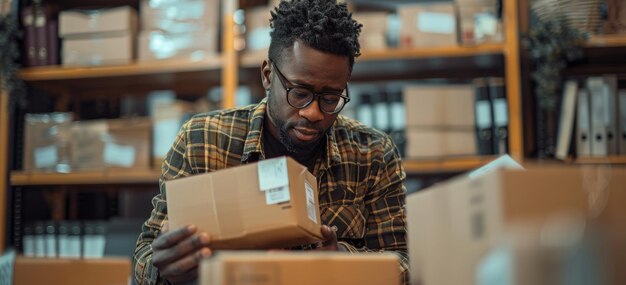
x=269, y=204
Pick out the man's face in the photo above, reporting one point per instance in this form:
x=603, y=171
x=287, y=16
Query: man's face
x=302, y=129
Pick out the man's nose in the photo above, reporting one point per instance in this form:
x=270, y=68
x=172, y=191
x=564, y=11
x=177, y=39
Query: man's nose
x=312, y=112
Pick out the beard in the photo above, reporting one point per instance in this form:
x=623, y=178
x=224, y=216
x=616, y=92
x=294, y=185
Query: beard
x=283, y=127
x=290, y=144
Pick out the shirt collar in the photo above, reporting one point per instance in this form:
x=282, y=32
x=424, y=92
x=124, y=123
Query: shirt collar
x=253, y=145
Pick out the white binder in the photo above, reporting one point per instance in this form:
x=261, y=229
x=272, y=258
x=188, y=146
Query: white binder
x=611, y=116
x=583, y=140
x=566, y=123
x=599, y=109
x=622, y=121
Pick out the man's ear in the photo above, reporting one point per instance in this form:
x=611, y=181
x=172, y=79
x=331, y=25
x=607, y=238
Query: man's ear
x=266, y=72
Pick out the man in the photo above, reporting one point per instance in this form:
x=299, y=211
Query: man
x=361, y=179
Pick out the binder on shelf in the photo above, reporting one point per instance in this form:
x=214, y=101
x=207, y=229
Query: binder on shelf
x=41, y=35
x=622, y=121
x=610, y=96
x=484, y=118
x=566, y=123
x=30, y=49
x=599, y=108
x=583, y=122
x=500, y=111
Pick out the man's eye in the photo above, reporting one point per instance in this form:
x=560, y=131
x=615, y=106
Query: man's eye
x=300, y=93
x=330, y=100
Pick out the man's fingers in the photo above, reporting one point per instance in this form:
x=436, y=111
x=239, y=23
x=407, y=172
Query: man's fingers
x=180, y=250
x=329, y=234
x=168, y=239
x=183, y=270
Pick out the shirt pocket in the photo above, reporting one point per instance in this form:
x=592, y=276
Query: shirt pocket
x=348, y=218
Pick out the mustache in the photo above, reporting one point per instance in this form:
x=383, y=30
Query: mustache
x=306, y=124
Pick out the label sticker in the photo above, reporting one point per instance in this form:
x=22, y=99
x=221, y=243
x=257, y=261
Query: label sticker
x=483, y=114
x=436, y=23
x=277, y=195
x=311, y=209
x=500, y=112
x=273, y=173
x=46, y=156
x=119, y=155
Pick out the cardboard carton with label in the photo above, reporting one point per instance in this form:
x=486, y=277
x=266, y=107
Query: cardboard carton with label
x=269, y=204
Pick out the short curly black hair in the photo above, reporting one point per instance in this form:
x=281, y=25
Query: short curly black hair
x=324, y=25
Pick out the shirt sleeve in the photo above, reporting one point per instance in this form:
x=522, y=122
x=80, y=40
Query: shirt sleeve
x=175, y=165
x=386, y=229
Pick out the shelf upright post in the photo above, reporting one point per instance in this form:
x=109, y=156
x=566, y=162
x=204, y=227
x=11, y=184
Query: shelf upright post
x=4, y=163
x=230, y=63
x=513, y=78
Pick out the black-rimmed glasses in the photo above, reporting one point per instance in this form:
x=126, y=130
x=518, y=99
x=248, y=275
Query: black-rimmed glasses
x=301, y=97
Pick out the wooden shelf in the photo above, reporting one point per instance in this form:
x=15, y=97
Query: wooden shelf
x=606, y=41
x=86, y=178
x=134, y=69
x=441, y=52
x=253, y=59
x=447, y=165
x=601, y=160
x=19, y=178
x=137, y=76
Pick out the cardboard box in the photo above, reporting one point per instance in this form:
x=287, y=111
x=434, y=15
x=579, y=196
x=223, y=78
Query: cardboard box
x=264, y=205
x=157, y=45
x=167, y=118
x=374, y=32
x=479, y=24
x=47, y=142
x=428, y=25
x=291, y=268
x=113, y=144
x=465, y=217
x=432, y=143
x=108, y=271
x=258, y=28
x=74, y=23
x=440, y=106
x=88, y=139
x=117, y=48
x=175, y=16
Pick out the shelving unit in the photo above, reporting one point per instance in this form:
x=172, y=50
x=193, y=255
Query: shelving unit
x=231, y=67
x=19, y=178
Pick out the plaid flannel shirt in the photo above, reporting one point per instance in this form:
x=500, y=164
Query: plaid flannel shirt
x=360, y=180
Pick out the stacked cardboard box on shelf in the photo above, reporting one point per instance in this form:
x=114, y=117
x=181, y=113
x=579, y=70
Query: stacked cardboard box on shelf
x=479, y=21
x=55, y=143
x=111, y=144
x=440, y=120
x=374, y=32
x=98, y=37
x=428, y=25
x=47, y=142
x=178, y=29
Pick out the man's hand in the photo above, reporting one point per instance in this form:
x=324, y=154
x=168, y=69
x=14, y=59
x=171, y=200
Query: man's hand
x=177, y=253
x=330, y=240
